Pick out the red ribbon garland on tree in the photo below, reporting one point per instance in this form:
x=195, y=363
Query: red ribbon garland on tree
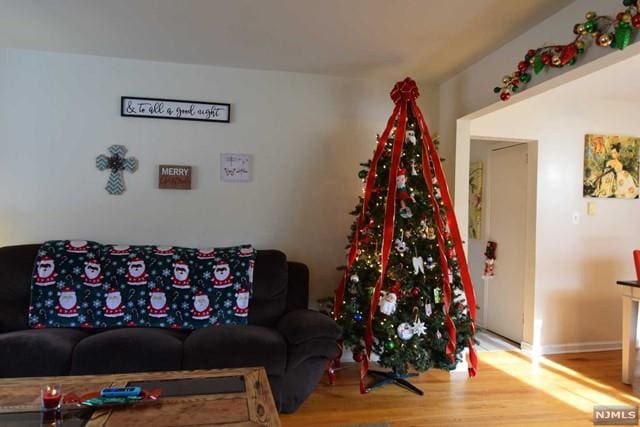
x=404, y=94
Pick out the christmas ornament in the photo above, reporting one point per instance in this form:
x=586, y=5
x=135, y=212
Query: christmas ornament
x=389, y=345
x=117, y=163
x=419, y=328
x=401, y=246
x=362, y=174
x=357, y=317
x=405, y=212
x=354, y=278
x=438, y=335
x=490, y=258
x=414, y=172
x=430, y=264
x=418, y=265
x=405, y=331
x=415, y=292
x=410, y=136
x=431, y=233
x=437, y=295
x=388, y=303
x=428, y=310
x=358, y=356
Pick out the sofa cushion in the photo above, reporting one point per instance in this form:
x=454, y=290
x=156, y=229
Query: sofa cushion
x=129, y=350
x=232, y=346
x=269, y=288
x=16, y=265
x=38, y=352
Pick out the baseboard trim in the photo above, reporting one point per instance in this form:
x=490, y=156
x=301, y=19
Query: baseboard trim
x=583, y=347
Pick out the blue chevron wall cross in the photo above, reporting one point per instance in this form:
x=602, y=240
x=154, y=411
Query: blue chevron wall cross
x=118, y=163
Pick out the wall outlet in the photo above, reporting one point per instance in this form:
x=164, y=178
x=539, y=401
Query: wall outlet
x=592, y=208
x=575, y=218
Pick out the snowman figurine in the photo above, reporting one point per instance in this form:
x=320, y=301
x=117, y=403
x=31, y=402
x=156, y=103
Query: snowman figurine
x=45, y=271
x=206, y=253
x=136, y=275
x=180, y=277
x=78, y=246
x=157, y=303
x=242, y=303
x=92, y=275
x=113, y=304
x=201, y=306
x=221, y=275
x=67, y=303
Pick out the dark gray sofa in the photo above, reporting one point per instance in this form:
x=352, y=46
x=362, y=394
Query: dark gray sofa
x=292, y=343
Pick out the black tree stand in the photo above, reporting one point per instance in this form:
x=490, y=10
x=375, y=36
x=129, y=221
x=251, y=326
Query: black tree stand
x=396, y=378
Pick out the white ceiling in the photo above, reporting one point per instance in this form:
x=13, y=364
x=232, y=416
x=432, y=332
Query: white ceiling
x=429, y=39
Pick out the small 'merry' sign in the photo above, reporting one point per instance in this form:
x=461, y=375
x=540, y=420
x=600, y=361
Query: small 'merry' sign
x=174, y=177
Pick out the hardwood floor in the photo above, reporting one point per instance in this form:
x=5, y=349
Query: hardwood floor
x=559, y=390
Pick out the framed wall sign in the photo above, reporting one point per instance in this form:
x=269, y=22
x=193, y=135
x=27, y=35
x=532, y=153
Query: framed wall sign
x=157, y=108
x=174, y=177
x=235, y=167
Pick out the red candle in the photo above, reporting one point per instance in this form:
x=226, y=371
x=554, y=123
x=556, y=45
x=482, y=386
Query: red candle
x=51, y=396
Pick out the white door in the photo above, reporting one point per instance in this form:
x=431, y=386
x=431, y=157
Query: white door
x=507, y=226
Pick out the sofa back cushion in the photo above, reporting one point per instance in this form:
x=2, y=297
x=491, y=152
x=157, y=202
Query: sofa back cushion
x=269, y=288
x=16, y=265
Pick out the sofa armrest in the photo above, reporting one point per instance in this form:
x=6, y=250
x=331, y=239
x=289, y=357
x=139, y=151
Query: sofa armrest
x=309, y=334
x=303, y=325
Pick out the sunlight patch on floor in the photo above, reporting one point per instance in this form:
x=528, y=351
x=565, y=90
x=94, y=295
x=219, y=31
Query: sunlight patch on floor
x=562, y=383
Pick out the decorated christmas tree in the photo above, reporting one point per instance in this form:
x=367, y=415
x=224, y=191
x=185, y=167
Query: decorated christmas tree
x=406, y=294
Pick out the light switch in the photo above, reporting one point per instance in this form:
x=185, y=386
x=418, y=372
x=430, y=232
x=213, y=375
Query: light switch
x=592, y=208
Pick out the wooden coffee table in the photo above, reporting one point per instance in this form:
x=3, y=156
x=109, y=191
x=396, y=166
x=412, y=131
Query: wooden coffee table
x=252, y=407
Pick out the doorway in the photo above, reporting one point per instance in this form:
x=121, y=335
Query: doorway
x=508, y=206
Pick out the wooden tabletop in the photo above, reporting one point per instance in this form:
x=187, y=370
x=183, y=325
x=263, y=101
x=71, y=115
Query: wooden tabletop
x=634, y=283
x=254, y=406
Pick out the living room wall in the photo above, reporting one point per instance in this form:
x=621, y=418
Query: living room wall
x=307, y=134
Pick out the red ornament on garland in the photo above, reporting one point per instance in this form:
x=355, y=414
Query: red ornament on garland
x=415, y=292
x=505, y=96
x=635, y=21
x=546, y=59
x=522, y=66
x=567, y=53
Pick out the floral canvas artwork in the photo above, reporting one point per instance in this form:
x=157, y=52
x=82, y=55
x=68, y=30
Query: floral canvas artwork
x=611, y=164
x=475, y=200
